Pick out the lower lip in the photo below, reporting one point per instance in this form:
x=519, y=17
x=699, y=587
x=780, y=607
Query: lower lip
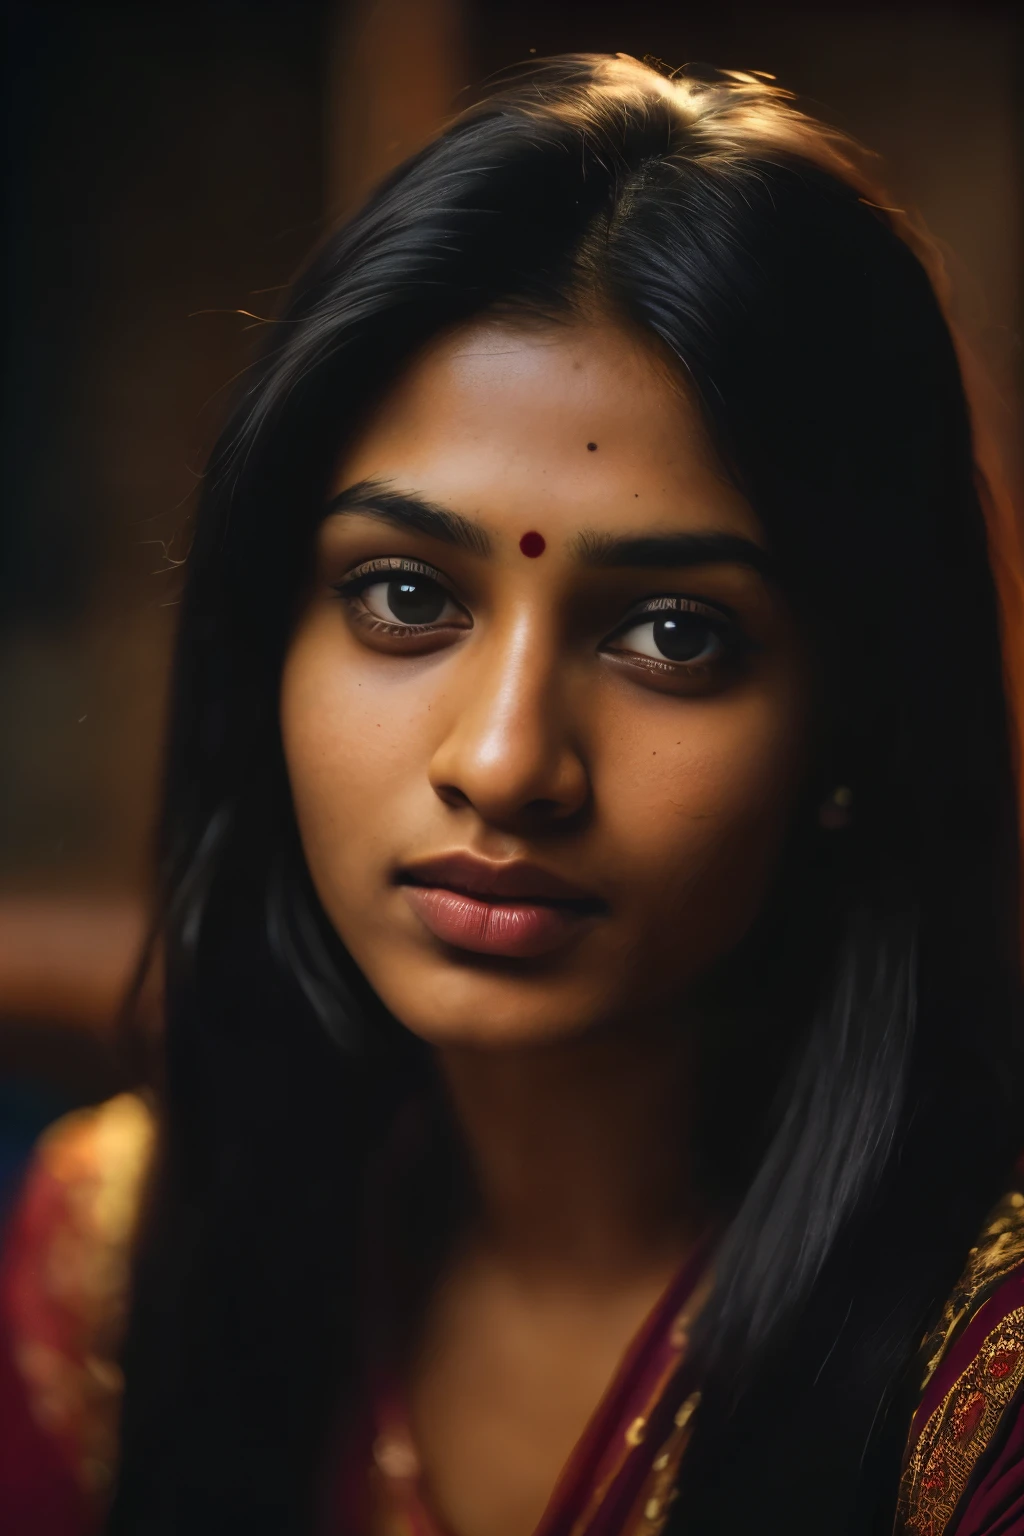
x=515, y=929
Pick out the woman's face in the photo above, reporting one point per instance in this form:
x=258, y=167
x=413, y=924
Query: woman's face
x=545, y=713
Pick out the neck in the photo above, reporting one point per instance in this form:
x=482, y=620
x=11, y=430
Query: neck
x=580, y=1153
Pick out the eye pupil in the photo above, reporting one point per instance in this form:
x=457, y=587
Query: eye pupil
x=681, y=636
x=416, y=600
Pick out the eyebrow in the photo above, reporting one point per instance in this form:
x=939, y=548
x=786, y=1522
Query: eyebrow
x=376, y=498
x=665, y=551
x=669, y=551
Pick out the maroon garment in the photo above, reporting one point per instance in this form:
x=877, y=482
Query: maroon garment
x=62, y=1277
x=965, y=1454
x=995, y=1506
x=39, y=1494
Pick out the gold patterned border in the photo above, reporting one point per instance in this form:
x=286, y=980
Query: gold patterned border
x=67, y=1311
x=960, y=1430
x=999, y=1250
x=650, y=1513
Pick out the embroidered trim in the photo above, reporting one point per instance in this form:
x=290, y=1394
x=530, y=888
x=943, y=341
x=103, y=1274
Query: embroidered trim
x=652, y=1507
x=65, y=1303
x=651, y=1511
x=960, y=1430
x=1000, y=1249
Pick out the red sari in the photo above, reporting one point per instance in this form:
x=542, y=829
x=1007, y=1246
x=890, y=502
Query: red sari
x=964, y=1467
x=62, y=1292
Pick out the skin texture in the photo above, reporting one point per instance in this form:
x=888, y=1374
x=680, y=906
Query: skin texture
x=522, y=736
x=536, y=722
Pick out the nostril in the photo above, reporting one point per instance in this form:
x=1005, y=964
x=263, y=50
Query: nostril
x=452, y=796
x=542, y=807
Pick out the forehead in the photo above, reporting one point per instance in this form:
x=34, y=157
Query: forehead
x=580, y=424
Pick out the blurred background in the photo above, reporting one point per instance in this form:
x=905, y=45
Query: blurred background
x=168, y=165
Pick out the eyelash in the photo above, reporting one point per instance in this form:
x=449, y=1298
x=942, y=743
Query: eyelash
x=735, y=643
x=352, y=586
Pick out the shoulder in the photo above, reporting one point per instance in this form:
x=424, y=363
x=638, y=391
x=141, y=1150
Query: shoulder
x=64, y=1283
x=964, y=1467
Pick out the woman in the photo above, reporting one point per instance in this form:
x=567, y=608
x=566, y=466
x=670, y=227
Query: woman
x=590, y=868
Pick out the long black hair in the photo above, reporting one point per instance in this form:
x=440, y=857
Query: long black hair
x=740, y=237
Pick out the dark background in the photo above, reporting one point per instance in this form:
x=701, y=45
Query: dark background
x=166, y=167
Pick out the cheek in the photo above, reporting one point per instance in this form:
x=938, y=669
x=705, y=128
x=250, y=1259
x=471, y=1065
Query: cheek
x=703, y=808
x=348, y=753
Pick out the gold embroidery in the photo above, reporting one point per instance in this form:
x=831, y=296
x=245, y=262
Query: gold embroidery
x=956, y=1435
x=685, y=1413
x=658, y=1483
x=651, y=1510
x=999, y=1251
x=98, y=1158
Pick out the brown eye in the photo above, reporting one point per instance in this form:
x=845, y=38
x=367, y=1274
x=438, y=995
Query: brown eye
x=409, y=599
x=674, y=636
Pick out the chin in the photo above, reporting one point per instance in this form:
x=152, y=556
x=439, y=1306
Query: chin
x=481, y=1003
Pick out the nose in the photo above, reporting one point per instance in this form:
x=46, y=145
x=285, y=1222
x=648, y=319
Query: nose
x=508, y=752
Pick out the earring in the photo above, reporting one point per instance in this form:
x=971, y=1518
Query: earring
x=834, y=814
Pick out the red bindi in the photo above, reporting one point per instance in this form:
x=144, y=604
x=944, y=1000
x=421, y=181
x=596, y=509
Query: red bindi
x=532, y=545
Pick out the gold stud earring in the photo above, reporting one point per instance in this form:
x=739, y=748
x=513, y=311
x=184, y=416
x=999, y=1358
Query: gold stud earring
x=834, y=814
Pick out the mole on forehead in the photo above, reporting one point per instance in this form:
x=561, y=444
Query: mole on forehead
x=532, y=544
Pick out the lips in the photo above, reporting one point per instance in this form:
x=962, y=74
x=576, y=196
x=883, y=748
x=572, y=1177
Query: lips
x=515, y=910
